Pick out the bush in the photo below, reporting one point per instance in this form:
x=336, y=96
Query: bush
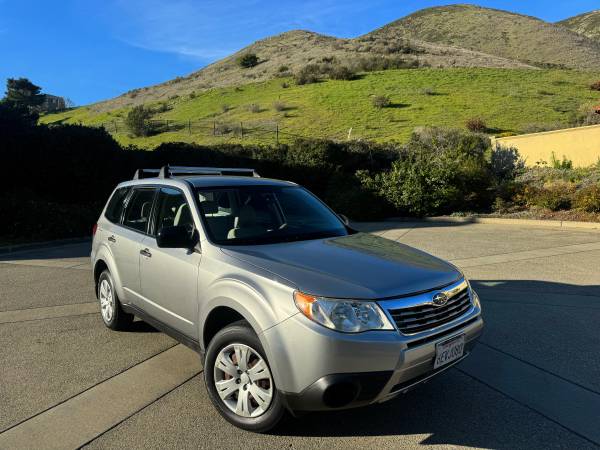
x=588, y=199
x=381, y=101
x=438, y=171
x=339, y=72
x=248, y=60
x=279, y=106
x=309, y=74
x=556, y=195
x=476, y=125
x=254, y=108
x=283, y=69
x=595, y=86
x=138, y=121
x=561, y=164
x=225, y=108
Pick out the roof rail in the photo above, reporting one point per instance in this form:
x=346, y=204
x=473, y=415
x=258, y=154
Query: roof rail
x=174, y=171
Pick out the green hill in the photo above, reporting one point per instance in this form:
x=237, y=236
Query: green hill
x=587, y=24
x=508, y=100
x=512, y=36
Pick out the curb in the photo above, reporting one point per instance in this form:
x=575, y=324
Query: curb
x=498, y=221
x=40, y=245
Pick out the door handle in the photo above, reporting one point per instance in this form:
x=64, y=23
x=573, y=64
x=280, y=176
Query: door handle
x=112, y=238
x=146, y=253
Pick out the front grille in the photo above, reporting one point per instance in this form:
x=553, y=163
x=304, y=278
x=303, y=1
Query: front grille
x=427, y=316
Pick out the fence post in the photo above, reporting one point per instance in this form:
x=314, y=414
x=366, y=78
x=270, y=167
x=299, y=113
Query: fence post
x=214, y=128
x=277, y=134
x=189, y=126
x=242, y=129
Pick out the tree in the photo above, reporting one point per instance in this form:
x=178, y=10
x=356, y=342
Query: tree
x=138, y=121
x=22, y=92
x=15, y=117
x=248, y=60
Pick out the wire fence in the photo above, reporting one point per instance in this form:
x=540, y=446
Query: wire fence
x=270, y=132
x=254, y=131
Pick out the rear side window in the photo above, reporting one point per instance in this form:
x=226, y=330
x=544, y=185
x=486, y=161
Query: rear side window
x=139, y=207
x=116, y=204
x=173, y=210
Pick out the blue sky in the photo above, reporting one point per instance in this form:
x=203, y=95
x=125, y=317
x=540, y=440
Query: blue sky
x=91, y=50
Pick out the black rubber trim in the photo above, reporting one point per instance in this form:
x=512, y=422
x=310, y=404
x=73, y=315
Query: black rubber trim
x=366, y=386
x=168, y=330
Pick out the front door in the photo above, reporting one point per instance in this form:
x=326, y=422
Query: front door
x=169, y=276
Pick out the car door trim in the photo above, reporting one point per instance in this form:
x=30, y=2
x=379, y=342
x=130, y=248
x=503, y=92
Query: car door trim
x=156, y=305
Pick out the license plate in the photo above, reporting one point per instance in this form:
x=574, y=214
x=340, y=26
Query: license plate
x=448, y=351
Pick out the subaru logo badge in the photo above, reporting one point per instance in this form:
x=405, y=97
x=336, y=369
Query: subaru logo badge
x=440, y=299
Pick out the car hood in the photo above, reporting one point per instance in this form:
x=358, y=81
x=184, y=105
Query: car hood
x=360, y=266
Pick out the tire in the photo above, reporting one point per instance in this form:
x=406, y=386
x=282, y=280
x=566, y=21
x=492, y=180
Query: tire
x=111, y=311
x=260, y=408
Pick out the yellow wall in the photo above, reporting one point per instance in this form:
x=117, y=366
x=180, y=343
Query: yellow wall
x=580, y=145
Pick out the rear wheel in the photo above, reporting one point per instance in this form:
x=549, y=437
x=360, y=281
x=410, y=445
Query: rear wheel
x=113, y=315
x=239, y=380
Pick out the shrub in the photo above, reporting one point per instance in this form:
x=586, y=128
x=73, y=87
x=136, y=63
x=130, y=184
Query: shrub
x=279, y=106
x=138, y=121
x=225, y=108
x=193, y=95
x=247, y=60
x=438, y=171
x=283, y=69
x=309, y=74
x=254, y=108
x=555, y=195
x=285, y=85
x=595, y=86
x=339, y=72
x=588, y=199
x=562, y=164
x=476, y=125
x=381, y=101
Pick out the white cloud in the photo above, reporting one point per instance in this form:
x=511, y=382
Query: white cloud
x=206, y=30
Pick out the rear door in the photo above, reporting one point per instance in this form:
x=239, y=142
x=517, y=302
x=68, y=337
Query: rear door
x=126, y=239
x=169, y=276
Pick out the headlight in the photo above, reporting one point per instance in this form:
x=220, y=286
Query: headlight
x=348, y=316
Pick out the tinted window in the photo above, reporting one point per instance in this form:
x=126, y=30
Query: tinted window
x=266, y=214
x=173, y=210
x=116, y=204
x=137, y=215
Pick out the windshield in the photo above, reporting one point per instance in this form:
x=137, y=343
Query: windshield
x=247, y=215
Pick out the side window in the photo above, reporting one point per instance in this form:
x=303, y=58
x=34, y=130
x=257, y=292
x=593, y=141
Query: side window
x=116, y=204
x=137, y=214
x=173, y=210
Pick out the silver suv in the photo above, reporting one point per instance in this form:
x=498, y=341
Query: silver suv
x=289, y=308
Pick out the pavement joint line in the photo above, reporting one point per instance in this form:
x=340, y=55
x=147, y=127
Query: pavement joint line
x=85, y=390
x=49, y=312
x=459, y=262
x=526, y=291
x=525, y=405
x=19, y=263
x=48, y=318
x=487, y=300
x=481, y=342
x=141, y=409
x=91, y=413
x=43, y=307
x=564, y=403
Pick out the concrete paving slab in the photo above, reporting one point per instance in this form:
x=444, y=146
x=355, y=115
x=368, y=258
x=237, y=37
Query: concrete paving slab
x=453, y=411
x=50, y=312
x=31, y=287
x=572, y=406
x=45, y=362
x=87, y=415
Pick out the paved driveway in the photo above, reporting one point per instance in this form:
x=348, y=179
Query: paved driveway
x=533, y=382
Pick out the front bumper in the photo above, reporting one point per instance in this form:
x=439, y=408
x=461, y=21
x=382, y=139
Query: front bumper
x=319, y=369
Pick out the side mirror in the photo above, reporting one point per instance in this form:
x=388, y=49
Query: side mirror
x=176, y=237
x=344, y=219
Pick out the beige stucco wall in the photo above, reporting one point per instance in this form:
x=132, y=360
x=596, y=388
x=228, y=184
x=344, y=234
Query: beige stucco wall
x=581, y=145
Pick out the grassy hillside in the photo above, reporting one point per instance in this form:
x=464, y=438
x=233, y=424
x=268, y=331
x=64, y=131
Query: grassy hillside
x=513, y=36
x=508, y=101
x=585, y=24
x=289, y=52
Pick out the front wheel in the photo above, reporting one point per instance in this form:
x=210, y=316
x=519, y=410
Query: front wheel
x=239, y=380
x=113, y=315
